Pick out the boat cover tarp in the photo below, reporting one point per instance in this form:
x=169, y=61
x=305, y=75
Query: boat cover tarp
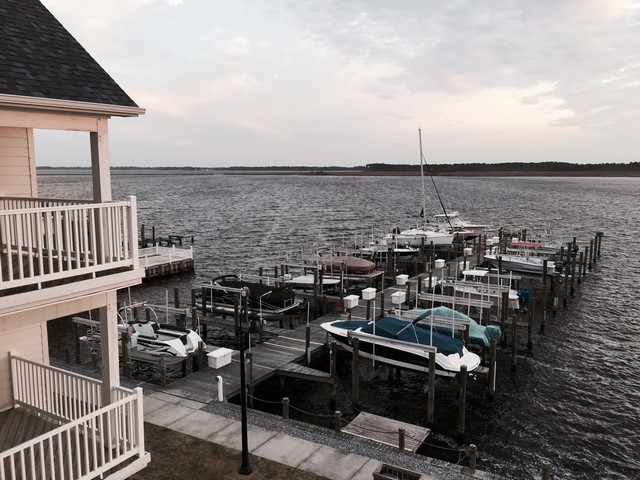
x=391, y=327
x=478, y=334
x=270, y=295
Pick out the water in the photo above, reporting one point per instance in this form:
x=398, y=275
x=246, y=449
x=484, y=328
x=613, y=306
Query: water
x=574, y=401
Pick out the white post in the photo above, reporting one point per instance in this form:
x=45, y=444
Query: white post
x=108, y=315
x=220, y=389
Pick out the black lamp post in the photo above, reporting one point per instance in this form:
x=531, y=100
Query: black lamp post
x=245, y=467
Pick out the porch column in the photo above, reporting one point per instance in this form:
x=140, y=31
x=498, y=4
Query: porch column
x=109, y=345
x=100, y=172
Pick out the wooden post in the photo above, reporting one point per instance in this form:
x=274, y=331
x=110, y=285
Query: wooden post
x=514, y=341
x=492, y=369
x=532, y=312
x=285, y=408
x=565, y=300
x=573, y=273
x=580, y=267
x=126, y=365
x=162, y=364
x=307, y=344
x=153, y=235
x=143, y=241
x=337, y=421
x=473, y=455
x=401, y=434
x=431, y=386
x=194, y=302
x=381, y=305
x=77, y=345
x=194, y=319
x=176, y=297
x=204, y=301
x=355, y=377
x=334, y=371
x=599, y=236
x=591, y=254
x=546, y=471
x=556, y=291
x=462, y=401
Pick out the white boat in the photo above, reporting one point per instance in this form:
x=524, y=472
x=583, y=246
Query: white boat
x=417, y=237
x=380, y=250
x=453, y=222
x=148, y=339
x=308, y=281
x=522, y=263
x=407, y=344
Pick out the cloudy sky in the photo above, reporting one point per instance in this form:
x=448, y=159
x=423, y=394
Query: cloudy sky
x=349, y=82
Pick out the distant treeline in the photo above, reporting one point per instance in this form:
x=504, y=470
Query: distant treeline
x=515, y=167
x=512, y=168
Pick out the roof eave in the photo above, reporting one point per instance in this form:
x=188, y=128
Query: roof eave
x=68, y=106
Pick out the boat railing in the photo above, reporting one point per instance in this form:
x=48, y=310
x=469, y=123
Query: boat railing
x=392, y=341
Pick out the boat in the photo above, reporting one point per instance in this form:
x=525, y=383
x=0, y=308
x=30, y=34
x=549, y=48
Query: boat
x=305, y=282
x=336, y=264
x=269, y=302
x=379, y=250
x=148, y=338
x=419, y=237
x=406, y=344
x=476, y=284
x=532, y=265
x=453, y=222
x=442, y=319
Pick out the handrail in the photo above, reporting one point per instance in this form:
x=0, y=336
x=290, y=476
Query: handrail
x=58, y=393
x=59, y=242
x=94, y=439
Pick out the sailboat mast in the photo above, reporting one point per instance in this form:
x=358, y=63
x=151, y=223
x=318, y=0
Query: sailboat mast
x=424, y=212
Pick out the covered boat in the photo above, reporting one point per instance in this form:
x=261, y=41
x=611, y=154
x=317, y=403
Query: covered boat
x=269, y=302
x=398, y=342
x=443, y=318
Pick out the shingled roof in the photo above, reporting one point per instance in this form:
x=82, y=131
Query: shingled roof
x=40, y=58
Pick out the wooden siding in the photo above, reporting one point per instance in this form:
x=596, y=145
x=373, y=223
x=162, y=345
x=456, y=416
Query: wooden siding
x=16, y=170
x=28, y=342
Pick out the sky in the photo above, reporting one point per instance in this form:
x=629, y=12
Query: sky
x=350, y=82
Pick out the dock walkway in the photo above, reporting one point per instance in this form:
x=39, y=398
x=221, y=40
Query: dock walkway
x=282, y=355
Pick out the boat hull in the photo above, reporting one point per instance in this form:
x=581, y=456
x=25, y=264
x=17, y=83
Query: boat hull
x=415, y=357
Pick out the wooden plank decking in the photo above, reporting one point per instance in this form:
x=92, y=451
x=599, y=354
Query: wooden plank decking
x=385, y=430
x=20, y=425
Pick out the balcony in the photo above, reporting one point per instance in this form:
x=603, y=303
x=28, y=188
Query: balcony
x=46, y=245
x=80, y=439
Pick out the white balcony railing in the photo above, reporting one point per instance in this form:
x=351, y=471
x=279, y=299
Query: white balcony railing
x=93, y=440
x=45, y=240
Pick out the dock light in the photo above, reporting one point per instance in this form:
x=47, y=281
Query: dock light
x=245, y=467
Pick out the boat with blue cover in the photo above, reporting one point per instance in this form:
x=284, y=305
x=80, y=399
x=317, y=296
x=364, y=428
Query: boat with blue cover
x=445, y=320
x=403, y=343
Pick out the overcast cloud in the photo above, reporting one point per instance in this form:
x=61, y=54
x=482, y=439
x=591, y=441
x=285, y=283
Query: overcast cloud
x=348, y=82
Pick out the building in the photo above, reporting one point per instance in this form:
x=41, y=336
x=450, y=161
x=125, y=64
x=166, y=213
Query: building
x=60, y=258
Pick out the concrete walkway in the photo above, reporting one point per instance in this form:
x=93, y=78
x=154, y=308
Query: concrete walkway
x=186, y=416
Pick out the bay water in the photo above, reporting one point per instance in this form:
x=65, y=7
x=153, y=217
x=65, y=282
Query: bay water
x=574, y=400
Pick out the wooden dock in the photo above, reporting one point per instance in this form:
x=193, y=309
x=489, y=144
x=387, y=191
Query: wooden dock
x=162, y=261
x=283, y=355
x=387, y=431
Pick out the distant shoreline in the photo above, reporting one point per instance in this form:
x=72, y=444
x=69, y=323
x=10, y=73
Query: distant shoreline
x=341, y=172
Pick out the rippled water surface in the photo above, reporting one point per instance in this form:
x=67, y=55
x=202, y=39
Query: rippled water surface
x=574, y=400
